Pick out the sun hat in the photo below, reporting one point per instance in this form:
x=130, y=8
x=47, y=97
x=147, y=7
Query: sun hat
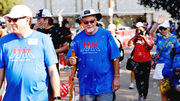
x=139, y=24
x=89, y=12
x=19, y=11
x=165, y=24
x=43, y=13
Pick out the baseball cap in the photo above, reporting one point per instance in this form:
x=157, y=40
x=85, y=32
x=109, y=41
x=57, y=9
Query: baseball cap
x=43, y=13
x=165, y=24
x=111, y=27
x=139, y=24
x=19, y=11
x=89, y=12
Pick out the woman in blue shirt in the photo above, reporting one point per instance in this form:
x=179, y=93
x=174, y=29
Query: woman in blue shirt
x=160, y=38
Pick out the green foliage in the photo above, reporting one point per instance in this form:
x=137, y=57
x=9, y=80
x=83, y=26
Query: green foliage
x=117, y=21
x=6, y=5
x=171, y=6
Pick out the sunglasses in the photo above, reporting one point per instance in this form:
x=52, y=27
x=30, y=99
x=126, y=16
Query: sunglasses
x=162, y=28
x=15, y=19
x=87, y=22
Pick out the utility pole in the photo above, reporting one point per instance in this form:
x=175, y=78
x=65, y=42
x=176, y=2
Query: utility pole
x=99, y=5
x=48, y=5
x=91, y=4
x=111, y=11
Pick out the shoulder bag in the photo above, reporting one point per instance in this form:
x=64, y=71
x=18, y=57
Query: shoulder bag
x=130, y=64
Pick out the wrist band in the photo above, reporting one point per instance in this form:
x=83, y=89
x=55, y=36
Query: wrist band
x=116, y=75
x=57, y=98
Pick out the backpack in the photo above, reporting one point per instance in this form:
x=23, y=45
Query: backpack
x=173, y=53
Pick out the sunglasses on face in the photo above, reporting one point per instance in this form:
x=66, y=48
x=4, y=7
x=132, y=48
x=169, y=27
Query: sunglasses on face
x=162, y=28
x=87, y=22
x=15, y=19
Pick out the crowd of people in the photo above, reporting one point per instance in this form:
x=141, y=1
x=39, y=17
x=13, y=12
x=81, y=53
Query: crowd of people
x=29, y=57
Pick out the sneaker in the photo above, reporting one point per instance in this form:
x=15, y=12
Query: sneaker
x=140, y=98
x=144, y=99
x=131, y=86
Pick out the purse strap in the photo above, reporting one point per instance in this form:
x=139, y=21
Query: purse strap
x=164, y=45
x=118, y=41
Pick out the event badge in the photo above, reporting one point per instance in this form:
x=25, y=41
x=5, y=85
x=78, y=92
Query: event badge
x=32, y=41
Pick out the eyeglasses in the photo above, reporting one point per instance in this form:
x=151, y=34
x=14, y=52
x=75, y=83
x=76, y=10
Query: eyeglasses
x=15, y=19
x=162, y=28
x=87, y=22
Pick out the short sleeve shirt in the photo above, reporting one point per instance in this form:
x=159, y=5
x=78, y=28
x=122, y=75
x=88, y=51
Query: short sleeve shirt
x=25, y=61
x=95, y=54
x=56, y=35
x=141, y=51
x=159, y=41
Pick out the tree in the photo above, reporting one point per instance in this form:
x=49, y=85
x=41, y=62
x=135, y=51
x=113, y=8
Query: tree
x=6, y=5
x=171, y=6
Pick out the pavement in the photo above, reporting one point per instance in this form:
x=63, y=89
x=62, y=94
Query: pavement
x=124, y=93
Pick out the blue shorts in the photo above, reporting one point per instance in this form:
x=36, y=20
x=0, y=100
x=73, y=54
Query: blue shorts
x=100, y=97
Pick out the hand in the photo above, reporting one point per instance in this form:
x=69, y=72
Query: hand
x=160, y=19
x=72, y=60
x=36, y=26
x=115, y=84
x=176, y=72
x=2, y=95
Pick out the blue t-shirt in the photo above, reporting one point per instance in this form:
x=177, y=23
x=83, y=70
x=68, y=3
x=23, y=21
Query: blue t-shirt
x=170, y=65
x=173, y=42
x=95, y=54
x=25, y=61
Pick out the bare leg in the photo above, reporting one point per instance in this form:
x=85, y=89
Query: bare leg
x=163, y=96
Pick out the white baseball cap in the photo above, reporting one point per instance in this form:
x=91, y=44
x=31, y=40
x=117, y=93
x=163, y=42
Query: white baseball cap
x=19, y=11
x=89, y=12
x=139, y=24
x=165, y=24
x=111, y=27
x=43, y=13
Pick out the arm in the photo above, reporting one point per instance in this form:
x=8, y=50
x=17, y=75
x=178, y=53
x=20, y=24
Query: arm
x=1, y=76
x=148, y=44
x=55, y=80
x=116, y=82
x=155, y=27
x=1, y=79
x=64, y=48
x=132, y=40
x=4, y=89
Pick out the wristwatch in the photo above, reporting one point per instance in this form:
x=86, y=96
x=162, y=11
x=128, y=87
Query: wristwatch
x=57, y=98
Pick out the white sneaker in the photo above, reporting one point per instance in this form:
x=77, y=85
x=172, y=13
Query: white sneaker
x=131, y=86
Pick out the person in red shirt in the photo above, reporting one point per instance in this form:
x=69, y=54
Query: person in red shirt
x=143, y=45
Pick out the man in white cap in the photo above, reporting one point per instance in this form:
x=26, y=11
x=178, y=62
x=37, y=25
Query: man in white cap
x=98, y=59
x=45, y=24
x=26, y=58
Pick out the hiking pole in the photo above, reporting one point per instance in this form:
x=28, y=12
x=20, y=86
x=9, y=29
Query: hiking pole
x=72, y=78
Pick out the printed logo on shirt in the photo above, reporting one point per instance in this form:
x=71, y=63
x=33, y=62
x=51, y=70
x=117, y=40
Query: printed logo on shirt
x=32, y=41
x=90, y=47
x=21, y=54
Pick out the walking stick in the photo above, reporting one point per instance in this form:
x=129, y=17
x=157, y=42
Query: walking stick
x=72, y=78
